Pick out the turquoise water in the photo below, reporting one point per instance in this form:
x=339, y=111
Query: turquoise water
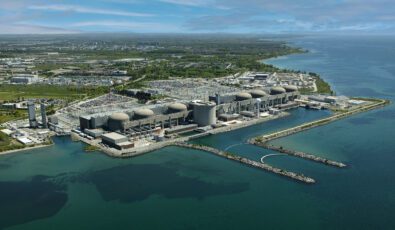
x=62, y=187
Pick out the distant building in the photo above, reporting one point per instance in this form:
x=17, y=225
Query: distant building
x=119, y=72
x=261, y=76
x=24, y=79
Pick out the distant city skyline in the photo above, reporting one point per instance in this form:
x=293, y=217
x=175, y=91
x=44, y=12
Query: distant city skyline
x=196, y=16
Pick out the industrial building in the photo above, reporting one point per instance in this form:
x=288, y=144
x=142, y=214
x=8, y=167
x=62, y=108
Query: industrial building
x=116, y=140
x=140, y=120
x=127, y=126
x=24, y=79
x=255, y=100
x=143, y=120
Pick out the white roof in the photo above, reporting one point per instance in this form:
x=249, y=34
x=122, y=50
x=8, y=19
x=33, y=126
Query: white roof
x=113, y=136
x=24, y=140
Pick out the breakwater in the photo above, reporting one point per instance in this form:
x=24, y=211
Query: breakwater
x=301, y=155
x=266, y=167
x=372, y=104
x=262, y=141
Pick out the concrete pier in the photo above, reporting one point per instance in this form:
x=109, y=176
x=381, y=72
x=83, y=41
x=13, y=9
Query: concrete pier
x=278, y=171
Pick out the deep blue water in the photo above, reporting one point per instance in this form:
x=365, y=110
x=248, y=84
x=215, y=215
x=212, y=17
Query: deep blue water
x=62, y=187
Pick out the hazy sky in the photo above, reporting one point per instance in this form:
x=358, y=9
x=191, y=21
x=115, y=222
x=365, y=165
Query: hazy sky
x=192, y=16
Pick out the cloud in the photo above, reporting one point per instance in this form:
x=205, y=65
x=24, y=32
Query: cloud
x=126, y=25
x=88, y=10
x=188, y=2
x=33, y=29
x=247, y=16
x=198, y=3
x=298, y=16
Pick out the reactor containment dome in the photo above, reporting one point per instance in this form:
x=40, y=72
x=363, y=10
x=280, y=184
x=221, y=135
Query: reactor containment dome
x=277, y=90
x=143, y=113
x=258, y=93
x=177, y=107
x=116, y=121
x=290, y=88
x=243, y=96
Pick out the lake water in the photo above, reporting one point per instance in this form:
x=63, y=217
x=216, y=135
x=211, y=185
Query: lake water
x=63, y=187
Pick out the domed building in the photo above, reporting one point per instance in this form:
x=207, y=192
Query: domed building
x=142, y=114
x=277, y=90
x=116, y=121
x=258, y=93
x=176, y=108
x=290, y=88
x=243, y=96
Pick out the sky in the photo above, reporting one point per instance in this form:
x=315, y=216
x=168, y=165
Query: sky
x=197, y=16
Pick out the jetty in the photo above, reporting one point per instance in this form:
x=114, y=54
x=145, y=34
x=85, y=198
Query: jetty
x=300, y=154
x=309, y=125
x=262, y=141
x=227, y=155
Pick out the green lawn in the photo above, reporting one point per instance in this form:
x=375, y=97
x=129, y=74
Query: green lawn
x=6, y=143
x=15, y=92
x=9, y=115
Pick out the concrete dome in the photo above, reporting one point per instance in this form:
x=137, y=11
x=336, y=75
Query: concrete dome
x=119, y=117
x=290, y=88
x=143, y=113
x=277, y=90
x=258, y=93
x=116, y=121
x=177, y=107
x=243, y=96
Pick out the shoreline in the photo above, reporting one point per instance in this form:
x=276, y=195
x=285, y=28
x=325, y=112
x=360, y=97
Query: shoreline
x=24, y=149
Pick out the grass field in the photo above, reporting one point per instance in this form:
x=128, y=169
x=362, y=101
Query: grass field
x=15, y=92
x=9, y=115
x=6, y=143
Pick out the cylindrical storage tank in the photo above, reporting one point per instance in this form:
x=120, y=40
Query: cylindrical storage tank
x=243, y=96
x=290, y=88
x=204, y=114
x=277, y=90
x=176, y=107
x=258, y=93
x=116, y=121
x=143, y=113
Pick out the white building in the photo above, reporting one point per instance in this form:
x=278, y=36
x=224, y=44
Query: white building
x=24, y=79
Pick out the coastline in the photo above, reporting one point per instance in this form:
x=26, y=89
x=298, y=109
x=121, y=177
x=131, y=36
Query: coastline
x=23, y=149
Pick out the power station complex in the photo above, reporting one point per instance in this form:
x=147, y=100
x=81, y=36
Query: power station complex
x=117, y=129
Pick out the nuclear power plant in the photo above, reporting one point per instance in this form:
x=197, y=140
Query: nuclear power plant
x=183, y=116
